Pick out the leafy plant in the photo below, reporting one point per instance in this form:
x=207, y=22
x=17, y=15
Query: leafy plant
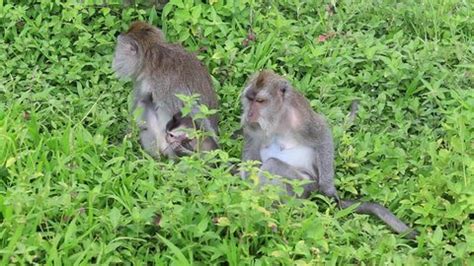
x=76, y=188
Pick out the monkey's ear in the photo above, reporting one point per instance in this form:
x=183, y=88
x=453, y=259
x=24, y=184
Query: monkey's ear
x=283, y=87
x=128, y=43
x=133, y=47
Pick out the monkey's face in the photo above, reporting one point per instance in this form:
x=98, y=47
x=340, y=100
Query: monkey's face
x=177, y=137
x=179, y=141
x=130, y=47
x=263, y=100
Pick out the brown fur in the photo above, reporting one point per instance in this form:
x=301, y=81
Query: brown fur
x=160, y=70
x=140, y=30
x=263, y=78
x=173, y=67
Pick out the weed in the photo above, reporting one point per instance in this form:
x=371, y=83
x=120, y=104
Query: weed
x=77, y=189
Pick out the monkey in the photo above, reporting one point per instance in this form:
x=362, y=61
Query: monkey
x=290, y=140
x=180, y=142
x=159, y=70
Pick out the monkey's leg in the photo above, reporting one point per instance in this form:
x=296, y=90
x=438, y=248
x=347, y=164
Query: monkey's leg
x=148, y=142
x=153, y=132
x=280, y=168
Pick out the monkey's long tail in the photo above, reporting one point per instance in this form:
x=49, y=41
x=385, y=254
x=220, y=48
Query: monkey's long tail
x=383, y=214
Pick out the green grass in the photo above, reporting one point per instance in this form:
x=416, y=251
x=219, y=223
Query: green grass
x=77, y=189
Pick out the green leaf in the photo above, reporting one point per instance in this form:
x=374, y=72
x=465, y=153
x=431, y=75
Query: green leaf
x=437, y=236
x=115, y=216
x=346, y=211
x=70, y=234
x=179, y=256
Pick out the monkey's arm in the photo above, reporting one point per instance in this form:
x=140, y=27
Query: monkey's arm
x=251, y=149
x=250, y=152
x=209, y=144
x=321, y=140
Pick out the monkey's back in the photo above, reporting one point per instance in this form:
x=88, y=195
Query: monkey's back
x=173, y=69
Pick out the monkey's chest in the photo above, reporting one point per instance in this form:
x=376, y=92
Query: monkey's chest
x=295, y=155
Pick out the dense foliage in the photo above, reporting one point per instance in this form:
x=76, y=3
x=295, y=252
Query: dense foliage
x=76, y=187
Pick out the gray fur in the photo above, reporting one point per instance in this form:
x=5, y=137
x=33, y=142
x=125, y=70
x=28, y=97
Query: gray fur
x=159, y=71
x=294, y=128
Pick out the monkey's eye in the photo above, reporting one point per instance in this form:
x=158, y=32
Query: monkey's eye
x=259, y=100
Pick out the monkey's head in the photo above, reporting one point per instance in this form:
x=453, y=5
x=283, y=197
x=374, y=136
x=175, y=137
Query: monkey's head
x=177, y=137
x=264, y=100
x=179, y=141
x=132, y=47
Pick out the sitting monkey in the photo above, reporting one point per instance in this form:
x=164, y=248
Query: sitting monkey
x=160, y=70
x=292, y=141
